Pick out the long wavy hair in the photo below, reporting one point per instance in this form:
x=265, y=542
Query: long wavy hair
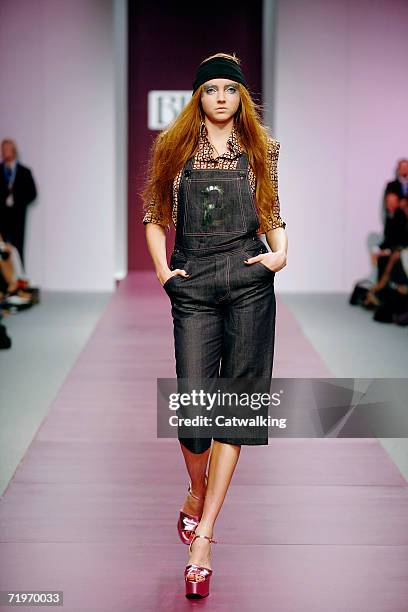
x=178, y=142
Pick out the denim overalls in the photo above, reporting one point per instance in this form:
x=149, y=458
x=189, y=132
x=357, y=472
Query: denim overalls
x=224, y=311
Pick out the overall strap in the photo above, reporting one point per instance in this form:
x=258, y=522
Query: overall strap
x=188, y=166
x=186, y=172
x=242, y=161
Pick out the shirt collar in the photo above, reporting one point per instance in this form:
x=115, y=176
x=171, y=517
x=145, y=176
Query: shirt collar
x=206, y=149
x=12, y=165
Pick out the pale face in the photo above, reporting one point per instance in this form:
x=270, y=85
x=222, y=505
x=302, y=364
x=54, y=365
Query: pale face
x=8, y=152
x=403, y=169
x=220, y=99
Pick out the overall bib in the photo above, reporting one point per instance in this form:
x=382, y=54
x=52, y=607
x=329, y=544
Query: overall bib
x=224, y=311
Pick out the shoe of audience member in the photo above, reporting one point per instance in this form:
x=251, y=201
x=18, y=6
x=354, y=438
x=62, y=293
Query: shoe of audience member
x=5, y=340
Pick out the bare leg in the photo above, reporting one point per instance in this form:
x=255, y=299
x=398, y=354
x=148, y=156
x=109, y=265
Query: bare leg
x=223, y=460
x=8, y=272
x=386, y=274
x=371, y=298
x=196, y=464
x=6, y=268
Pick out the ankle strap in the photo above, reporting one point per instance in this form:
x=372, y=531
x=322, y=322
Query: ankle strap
x=197, y=535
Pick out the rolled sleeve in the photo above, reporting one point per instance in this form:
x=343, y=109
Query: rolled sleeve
x=152, y=215
x=274, y=219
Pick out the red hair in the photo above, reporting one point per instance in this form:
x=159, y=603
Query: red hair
x=178, y=142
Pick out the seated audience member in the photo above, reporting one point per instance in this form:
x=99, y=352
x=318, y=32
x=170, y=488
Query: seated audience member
x=11, y=270
x=395, y=220
x=394, y=273
x=399, y=186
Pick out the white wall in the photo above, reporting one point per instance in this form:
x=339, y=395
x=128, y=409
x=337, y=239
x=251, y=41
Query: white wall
x=120, y=24
x=58, y=102
x=339, y=111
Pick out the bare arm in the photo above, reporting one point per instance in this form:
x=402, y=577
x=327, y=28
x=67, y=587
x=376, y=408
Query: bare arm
x=156, y=244
x=278, y=241
x=275, y=232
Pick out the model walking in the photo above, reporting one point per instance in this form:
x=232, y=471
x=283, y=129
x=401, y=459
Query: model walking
x=213, y=173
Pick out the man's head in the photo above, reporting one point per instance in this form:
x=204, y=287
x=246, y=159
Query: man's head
x=8, y=150
x=402, y=168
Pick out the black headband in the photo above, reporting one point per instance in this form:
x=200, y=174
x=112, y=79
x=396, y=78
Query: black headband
x=218, y=68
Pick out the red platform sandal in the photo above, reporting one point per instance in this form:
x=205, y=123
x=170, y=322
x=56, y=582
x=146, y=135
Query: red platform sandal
x=188, y=522
x=197, y=577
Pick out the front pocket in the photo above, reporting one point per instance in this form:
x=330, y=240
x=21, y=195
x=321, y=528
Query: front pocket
x=265, y=267
x=169, y=280
x=180, y=261
x=258, y=251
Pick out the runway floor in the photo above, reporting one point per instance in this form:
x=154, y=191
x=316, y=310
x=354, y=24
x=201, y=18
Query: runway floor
x=307, y=525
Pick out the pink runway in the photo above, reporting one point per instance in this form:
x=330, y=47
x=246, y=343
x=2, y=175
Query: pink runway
x=307, y=525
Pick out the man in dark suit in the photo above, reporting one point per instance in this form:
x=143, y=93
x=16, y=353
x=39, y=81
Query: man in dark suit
x=399, y=186
x=17, y=191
